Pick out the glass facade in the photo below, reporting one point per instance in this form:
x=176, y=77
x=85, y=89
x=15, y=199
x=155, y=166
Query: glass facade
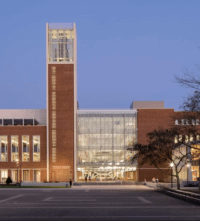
x=103, y=138
x=195, y=152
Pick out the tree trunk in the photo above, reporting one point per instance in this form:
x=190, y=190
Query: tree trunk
x=177, y=180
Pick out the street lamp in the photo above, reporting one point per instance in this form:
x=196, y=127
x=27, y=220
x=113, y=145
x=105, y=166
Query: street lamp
x=171, y=165
x=188, y=165
x=17, y=162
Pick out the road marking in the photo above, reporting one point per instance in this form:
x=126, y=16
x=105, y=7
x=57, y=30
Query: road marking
x=143, y=199
x=83, y=217
x=48, y=199
x=103, y=207
x=101, y=217
x=10, y=198
x=55, y=199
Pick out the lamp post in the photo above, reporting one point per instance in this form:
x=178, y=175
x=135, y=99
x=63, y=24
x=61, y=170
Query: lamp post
x=188, y=165
x=171, y=165
x=18, y=165
x=17, y=162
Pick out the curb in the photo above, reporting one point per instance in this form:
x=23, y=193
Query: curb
x=186, y=196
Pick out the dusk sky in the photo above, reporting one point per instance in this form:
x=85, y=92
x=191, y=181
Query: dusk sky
x=127, y=50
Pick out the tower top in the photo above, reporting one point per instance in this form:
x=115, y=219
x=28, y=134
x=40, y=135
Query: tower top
x=61, y=25
x=61, y=41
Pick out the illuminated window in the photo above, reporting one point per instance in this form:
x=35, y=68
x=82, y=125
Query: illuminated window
x=36, y=175
x=14, y=175
x=36, y=148
x=25, y=148
x=26, y=175
x=53, y=154
x=3, y=148
x=176, y=122
x=53, y=138
x=53, y=119
x=176, y=139
x=186, y=138
x=191, y=137
x=197, y=137
x=4, y=175
x=53, y=100
x=14, y=148
x=53, y=78
x=180, y=138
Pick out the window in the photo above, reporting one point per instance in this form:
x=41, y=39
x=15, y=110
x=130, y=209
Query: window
x=180, y=138
x=197, y=137
x=14, y=148
x=53, y=100
x=176, y=139
x=193, y=121
x=36, y=148
x=54, y=155
x=53, y=138
x=176, y=122
x=191, y=137
x=36, y=175
x=3, y=149
x=14, y=175
x=4, y=175
x=26, y=175
x=187, y=122
x=182, y=121
x=53, y=81
x=25, y=148
x=197, y=121
x=53, y=119
x=186, y=138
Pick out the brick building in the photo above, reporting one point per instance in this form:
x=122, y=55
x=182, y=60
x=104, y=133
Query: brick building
x=63, y=142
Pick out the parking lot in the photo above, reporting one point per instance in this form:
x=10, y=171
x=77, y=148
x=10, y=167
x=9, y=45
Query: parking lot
x=93, y=203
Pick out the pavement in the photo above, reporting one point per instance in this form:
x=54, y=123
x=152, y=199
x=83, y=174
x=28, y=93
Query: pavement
x=136, y=202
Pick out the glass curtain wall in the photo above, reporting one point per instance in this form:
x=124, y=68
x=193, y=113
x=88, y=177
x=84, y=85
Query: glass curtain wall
x=195, y=152
x=103, y=140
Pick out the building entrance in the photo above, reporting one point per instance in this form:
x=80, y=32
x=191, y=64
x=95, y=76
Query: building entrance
x=106, y=174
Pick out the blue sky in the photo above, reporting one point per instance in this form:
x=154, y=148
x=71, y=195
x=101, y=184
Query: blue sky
x=127, y=50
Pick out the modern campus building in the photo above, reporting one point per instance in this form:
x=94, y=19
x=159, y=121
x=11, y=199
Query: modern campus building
x=63, y=142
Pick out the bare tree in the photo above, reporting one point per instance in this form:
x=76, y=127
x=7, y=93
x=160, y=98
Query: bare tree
x=189, y=80
x=163, y=149
x=192, y=102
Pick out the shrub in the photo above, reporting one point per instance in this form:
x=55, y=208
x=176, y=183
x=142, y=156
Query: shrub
x=8, y=181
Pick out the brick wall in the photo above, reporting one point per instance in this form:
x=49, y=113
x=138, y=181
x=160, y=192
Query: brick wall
x=31, y=131
x=63, y=168
x=147, y=121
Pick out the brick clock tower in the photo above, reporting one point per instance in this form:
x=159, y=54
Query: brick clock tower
x=61, y=101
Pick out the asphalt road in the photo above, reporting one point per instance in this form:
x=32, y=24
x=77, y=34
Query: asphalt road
x=94, y=203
